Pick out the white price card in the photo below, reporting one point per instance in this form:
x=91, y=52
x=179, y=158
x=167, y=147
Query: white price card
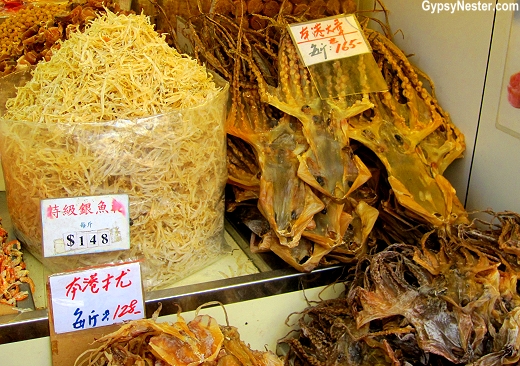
x=328, y=39
x=96, y=297
x=82, y=225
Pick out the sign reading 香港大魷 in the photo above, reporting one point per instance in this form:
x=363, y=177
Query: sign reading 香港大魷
x=328, y=39
x=81, y=225
x=96, y=297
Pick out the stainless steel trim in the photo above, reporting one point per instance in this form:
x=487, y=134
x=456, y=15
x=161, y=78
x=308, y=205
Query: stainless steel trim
x=35, y=324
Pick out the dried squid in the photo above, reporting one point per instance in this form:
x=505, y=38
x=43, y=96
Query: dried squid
x=287, y=203
x=452, y=299
x=328, y=164
x=301, y=166
x=202, y=341
x=413, y=137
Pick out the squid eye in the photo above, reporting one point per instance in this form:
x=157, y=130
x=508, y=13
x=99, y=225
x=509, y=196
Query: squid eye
x=306, y=109
x=369, y=114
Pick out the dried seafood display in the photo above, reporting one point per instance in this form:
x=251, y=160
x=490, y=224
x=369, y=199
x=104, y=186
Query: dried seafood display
x=453, y=299
x=117, y=110
x=199, y=342
x=16, y=29
x=13, y=271
x=315, y=168
x=34, y=32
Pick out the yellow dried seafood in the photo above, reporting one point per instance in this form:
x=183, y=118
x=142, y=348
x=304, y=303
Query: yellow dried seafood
x=370, y=163
x=145, y=341
x=117, y=110
x=413, y=137
x=328, y=165
x=202, y=341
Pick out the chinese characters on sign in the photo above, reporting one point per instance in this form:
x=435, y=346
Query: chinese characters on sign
x=82, y=225
x=328, y=39
x=96, y=297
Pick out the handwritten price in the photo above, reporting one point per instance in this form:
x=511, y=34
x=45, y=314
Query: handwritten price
x=91, y=320
x=345, y=46
x=328, y=39
x=123, y=310
x=96, y=297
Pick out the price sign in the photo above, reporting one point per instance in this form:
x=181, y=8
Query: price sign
x=83, y=225
x=328, y=39
x=96, y=297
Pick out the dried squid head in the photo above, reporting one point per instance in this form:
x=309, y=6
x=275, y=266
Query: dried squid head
x=328, y=335
x=188, y=344
x=145, y=342
x=397, y=288
x=285, y=200
x=412, y=136
x=328, y=165
x=460, y=302
x=276, y=138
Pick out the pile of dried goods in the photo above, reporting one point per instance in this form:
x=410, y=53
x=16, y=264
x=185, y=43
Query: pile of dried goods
x=451, y=300
x=321, y=181
x=16, y=27
x=32, y=33
x=12, y=271
x=200, y=341
x=116, y=110
x=118, y=68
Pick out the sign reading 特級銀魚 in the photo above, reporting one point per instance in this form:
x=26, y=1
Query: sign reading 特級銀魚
x=81, y=225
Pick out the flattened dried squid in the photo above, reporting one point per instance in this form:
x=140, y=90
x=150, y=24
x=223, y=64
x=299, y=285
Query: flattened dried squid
x=202, y=341
x=452, y=299
x=313, y=188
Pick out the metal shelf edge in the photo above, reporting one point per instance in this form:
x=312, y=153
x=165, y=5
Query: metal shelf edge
x=35, y=324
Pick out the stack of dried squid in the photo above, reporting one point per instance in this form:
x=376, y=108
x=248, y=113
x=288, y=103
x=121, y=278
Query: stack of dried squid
x=201, y=341
x=321, y=181
x=454, y=299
